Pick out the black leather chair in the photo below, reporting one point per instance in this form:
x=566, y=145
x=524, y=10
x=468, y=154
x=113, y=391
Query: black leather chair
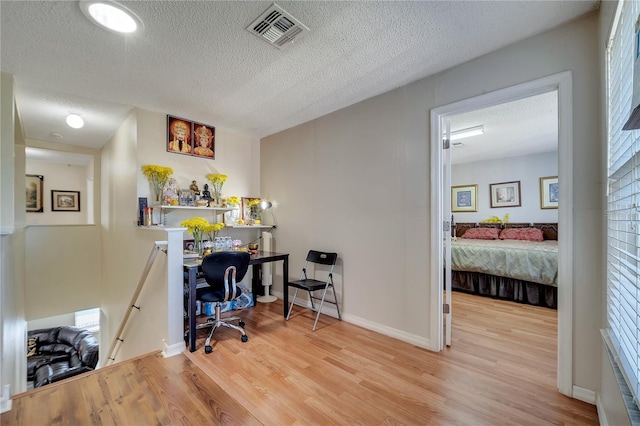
x=222, y=270
x=309, y=283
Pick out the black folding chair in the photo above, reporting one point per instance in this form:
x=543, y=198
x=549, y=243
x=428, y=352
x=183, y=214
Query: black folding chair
x=311, y=284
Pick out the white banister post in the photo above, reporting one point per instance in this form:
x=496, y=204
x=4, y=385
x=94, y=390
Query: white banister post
x=174, y=344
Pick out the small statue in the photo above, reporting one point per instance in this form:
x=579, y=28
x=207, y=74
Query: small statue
x=194, y=188
x=205, y=193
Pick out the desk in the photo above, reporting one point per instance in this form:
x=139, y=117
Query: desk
x=191, y=268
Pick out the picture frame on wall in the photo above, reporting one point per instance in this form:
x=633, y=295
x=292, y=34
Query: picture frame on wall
x=549, y=195
x=179, y=135
x=34, y=187
x=204, y=141
x=505, y=194
x=65, y=201
x=464, y=198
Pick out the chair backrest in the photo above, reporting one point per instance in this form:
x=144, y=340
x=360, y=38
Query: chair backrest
x=223, y=269
x=322, y=258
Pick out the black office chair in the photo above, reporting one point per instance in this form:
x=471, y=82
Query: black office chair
x=221, y=271
x=311, y=284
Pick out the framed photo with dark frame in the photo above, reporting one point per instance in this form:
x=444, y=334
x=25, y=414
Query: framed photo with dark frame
x=505, y=194
x=204, y=141
x=34, y=186
x=464, y=198
x=549, y=192
x=65, y=201
x=179, y=135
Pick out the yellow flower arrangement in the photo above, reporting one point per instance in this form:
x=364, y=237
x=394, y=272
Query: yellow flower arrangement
x=157, y=176
x=496, y=219
x=213, y=230
x=217, y=180
x=196, y=226
x=254, y=202
x=233, y=200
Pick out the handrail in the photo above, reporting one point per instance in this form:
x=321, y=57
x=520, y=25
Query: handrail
x=143, y=278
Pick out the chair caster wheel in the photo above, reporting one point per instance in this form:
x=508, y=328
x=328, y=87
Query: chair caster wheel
x=244, y=338
x=208, y=349
x=241, y=324
x=209, y=320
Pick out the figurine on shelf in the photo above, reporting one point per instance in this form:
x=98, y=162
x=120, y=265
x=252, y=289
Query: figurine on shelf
x=194, y=188
x=206, y=195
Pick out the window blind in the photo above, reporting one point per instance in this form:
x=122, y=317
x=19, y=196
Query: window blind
x=623, y=199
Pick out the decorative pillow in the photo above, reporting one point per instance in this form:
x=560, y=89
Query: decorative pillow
x=525, y=234
x=32, y=346
x=481, y=234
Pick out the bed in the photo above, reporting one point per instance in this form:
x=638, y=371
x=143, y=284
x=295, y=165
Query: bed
x=523, y=267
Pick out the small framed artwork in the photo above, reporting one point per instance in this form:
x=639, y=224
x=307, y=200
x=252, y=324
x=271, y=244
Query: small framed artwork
x=464, y=198
x=179, y=135
x=189, y=245
x=65, y=201
x=505, y=194
x=34, y=184
x=204, y=141
x=247, y=204
x=549, y=192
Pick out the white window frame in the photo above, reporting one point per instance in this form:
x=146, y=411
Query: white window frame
x=622, y=334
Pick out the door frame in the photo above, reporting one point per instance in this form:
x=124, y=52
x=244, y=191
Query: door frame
x=562, y=83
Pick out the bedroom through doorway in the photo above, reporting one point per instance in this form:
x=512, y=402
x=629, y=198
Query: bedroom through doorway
x=561, y=84
x=503, y=159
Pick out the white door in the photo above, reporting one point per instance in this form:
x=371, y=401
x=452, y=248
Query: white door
x=446, y=214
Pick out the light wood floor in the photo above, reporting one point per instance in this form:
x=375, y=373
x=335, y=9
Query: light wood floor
x=501, y=370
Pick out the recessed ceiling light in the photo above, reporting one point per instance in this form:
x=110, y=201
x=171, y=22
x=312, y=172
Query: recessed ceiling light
x=111, y=16
x=75, y=121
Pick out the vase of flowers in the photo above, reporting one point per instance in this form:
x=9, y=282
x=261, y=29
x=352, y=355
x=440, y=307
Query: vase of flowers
x=157, y=176
x=197, y=226
x=217, y=180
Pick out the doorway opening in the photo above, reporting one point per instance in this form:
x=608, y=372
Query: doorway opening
x=561, y=83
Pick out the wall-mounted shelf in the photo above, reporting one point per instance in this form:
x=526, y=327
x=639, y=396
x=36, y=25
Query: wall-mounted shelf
x=165, y=210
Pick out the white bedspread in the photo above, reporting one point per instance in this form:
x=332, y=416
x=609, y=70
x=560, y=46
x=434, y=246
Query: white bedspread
x=524, y=260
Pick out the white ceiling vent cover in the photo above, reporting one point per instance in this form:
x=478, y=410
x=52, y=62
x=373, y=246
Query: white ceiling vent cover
x=277, y=27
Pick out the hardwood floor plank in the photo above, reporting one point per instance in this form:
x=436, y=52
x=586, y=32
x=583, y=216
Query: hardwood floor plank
x=500, y=370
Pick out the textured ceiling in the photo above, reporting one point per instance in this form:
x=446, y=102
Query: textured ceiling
x=195, y=59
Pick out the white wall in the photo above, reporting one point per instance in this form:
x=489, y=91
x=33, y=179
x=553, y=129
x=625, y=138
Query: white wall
x=59, y=177
x=12, y=245
x=142, y=140
x=528, y=170
x=357, y=181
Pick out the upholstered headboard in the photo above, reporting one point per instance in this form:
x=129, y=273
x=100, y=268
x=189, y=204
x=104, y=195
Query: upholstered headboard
x=549, y=230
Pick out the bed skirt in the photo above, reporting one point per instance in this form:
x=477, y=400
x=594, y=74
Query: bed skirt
x=505, y=288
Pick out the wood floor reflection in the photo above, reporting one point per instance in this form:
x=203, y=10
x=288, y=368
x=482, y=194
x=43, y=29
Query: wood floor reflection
x=500, y=370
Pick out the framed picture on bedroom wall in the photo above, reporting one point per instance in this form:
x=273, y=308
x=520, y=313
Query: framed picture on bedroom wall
x=464, y=198
x=549, y=192
x=505, y=194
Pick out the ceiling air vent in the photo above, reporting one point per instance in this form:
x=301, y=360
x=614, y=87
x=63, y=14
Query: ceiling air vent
x=277, y=27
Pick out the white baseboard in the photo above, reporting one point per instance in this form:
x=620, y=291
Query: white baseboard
x=331, y=310
x=173, y=350
x=602, y=416
x=389, y=331
x=585, y=395
x=5, y=399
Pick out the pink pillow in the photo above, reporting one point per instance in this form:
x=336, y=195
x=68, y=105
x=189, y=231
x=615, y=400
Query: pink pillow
x=525, y=234
x=481, y=234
